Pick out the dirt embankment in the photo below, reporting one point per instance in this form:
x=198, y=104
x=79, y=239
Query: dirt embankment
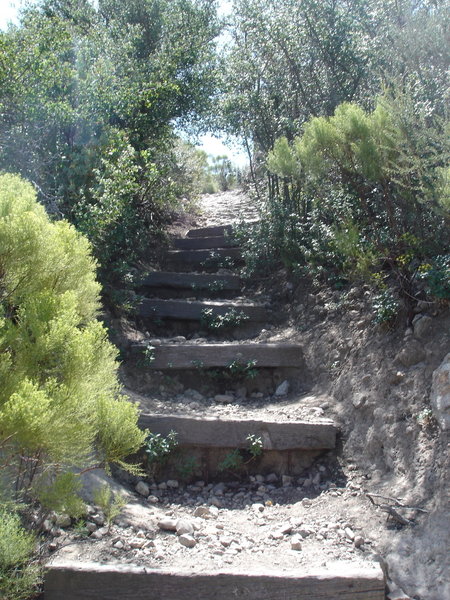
x=380, y=382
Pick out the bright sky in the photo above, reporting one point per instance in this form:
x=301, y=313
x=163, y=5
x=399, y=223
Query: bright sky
x=8, y=11
x=210, y=144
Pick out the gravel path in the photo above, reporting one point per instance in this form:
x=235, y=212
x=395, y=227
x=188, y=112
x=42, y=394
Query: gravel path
x=261, y=523
x=226, y=207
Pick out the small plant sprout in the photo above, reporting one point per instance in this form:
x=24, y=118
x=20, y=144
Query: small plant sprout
x=158, y=448
x=187, y=467
x=247, y=370
x=216, y=322
x=216, y=286
x=255, y=445
x=110, y=503
x=149, y=355
x=235, y=460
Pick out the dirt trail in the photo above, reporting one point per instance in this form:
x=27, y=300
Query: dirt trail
x=226, y=207
x=325, y=515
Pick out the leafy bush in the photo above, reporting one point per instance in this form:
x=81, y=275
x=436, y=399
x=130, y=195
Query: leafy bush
x=358, y=192
x=437, y=276
x=60, y=405
x=158, y=448
x=386, y=307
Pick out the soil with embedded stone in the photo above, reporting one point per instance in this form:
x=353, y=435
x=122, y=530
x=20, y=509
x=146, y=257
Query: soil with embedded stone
x=383, y=493
x=260, y=522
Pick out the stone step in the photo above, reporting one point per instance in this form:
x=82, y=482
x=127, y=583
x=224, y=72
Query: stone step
x=232, y=433
x=207, y=259
x=193, y=310
x=187, y=356
x=215, y=231
x=191, y=281
x=202, y=243
x=73, y=580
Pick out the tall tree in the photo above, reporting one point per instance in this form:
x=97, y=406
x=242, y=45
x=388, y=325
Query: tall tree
x=290, y=60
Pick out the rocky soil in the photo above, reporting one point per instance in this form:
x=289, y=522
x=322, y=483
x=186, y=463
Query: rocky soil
x=267, y=522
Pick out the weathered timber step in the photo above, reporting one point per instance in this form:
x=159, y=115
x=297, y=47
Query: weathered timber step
x=191, y=281
x=187, y=356
x=232, y=433
x=193, y=310
x=206, y=258
x=201, y=243
x=218, y=230
x=89, y=581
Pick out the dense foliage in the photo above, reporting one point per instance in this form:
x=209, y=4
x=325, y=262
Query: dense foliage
x=59, y=400
x=343, y=108
x=290, y=60
x=89, y=99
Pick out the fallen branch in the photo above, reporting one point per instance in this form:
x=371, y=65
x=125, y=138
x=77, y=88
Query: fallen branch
x=394, y=512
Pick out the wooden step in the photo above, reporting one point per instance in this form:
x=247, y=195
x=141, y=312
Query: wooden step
x=191, y=281
x=187, y=356
x=232, y=433
x=73, y=580
x=204, y=258
x=193, y=310
x=218, y=230
x=202, y=243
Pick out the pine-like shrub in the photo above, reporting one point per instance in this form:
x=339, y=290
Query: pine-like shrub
x=18, y=576
x=60, y=407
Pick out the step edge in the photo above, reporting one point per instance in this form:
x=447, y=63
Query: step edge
x=342, y=570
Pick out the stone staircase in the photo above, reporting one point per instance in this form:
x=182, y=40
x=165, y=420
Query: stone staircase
x=195, y=267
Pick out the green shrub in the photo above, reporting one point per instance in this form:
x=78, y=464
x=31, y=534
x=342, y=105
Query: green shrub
x=18, y=577
x=158, y=448
x=436, y=275
x=111, y=504
x=232, y=461
x=60, y=405
x=347, y=194
x=237, y=459
x=385, y=307
x=358, y=258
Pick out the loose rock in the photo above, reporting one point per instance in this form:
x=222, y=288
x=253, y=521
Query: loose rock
x=63, y=521
x=411, y=354
x=440, y=394
x=184, y=527
x=187, y=540
x=296, y=543
x=167, y=524
x=224, y=399
x=422, y=326
x=204, y=512
x=282, y=389
x=142, y=489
